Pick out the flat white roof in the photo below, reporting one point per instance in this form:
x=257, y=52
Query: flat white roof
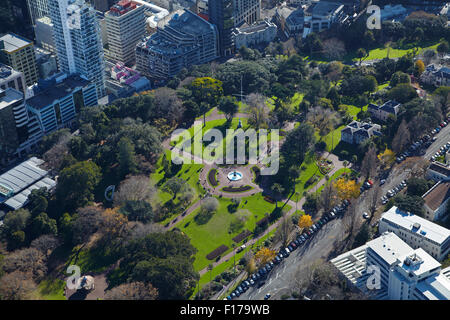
x=425, y=228
x=435, y=288
x=428, y=262
x=390, y=247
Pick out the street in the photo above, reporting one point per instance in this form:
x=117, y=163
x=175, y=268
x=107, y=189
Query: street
x=442, y=138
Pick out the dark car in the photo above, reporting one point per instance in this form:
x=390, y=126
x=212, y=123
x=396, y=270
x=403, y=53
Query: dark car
x=237, y=293
x=233, y=295
x=277, y=260
x=290, y=248
x=261, y=284
x=297, y=242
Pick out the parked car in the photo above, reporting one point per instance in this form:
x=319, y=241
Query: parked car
x=260, y=284
x=267, y=296
x=365, y=215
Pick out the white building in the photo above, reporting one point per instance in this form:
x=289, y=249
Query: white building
x=404, y=273
x=125, y=25
x=417, y=232
x=260, y=32
x=77, y=38
x=436, y=201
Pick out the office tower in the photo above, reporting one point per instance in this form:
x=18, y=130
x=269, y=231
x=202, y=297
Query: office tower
x=221, y=13
x=43, y=31
x=18, y=53
x=37, y=9
x=13, y=123
x=181, y=40
x=228, y=14
x=125, y=25
x=76, y=34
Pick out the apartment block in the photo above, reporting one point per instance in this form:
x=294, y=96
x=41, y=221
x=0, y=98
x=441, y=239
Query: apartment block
x=57, y=102
x=76, y=34
x=125, y=25
x=18, y=53
x=13, y=123
x=181, y=40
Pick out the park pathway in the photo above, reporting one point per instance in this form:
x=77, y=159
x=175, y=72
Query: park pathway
x=209, y=165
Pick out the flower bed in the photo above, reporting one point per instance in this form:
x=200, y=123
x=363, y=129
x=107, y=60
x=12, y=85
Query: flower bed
x=212, y=178
x=236, y=189
x=241, y=236
x=217, y=252
x=325, y=166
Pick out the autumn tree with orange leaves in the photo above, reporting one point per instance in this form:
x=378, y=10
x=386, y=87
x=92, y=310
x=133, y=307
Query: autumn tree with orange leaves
x=347, y=189
x=265, y=255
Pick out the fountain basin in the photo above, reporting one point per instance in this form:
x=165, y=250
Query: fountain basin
x=235, y=176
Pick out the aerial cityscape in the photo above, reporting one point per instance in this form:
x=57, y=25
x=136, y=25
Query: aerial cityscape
x=231, y=150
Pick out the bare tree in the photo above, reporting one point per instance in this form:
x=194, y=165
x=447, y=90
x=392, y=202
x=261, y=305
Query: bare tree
x=135, y=188
x=373, y=198
x=29, y=260
x=322, y=119
x=46, y=244
x=16, y=285
x=329, y=197
x=55, y=155
x=369, y=163
x=258, y=110
x=132, y=291
x=334, y=49
x=401, y=138
x=284, y=231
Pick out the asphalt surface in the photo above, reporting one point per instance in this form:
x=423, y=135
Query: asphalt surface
x=442, y=138
x=281, y=279
x=282, y=276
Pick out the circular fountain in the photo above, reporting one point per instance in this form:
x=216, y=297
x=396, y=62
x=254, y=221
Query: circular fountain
x=235, y=176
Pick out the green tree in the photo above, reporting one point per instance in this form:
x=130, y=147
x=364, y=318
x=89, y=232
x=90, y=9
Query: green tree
x=126, y=156
x=229, y=106
x=174, y=186
x=278, y=190
x=76, y=185
x=361, y=53
x=42, y=224
x=443, y=48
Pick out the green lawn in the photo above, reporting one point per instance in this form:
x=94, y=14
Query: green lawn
x=310, y=168
x=51, y=289
x=188, y=172
x=215, y=232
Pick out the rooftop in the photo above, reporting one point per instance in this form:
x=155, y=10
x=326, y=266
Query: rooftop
x=416, y=224
x=324, y=8
x=418, y=262
x=437, y=195
x=9, y=96
x=20, y=177
x=12, y=42
x=56, y=91
x=389, y=247
x=439, y=167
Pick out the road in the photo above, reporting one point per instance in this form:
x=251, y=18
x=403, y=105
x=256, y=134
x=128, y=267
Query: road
x=283, y=277
x=442, y=138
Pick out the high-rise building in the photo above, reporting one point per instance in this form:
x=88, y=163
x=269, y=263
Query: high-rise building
x=228, y=14
x=18, y=53
x=76, y=34
x=13, y=123
x=181, y=40
x=125, y=25
x=38, y=9
x=43, y=30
